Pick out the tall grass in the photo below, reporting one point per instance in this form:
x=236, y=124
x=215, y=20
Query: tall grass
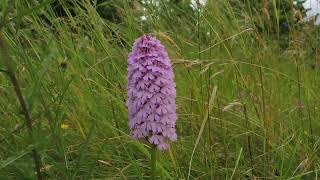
x=250, y=111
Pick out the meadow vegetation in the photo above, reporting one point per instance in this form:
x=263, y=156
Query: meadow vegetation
x=247, y=79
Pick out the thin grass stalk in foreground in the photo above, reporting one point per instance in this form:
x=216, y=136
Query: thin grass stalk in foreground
x=211, y=144
x=265, y=128
x=237, y=164
x=10, y=72
x=310, y=123
x=299, y=103
x=204, y=121
x=154, y=162
x=199, y=49
x=245, y=113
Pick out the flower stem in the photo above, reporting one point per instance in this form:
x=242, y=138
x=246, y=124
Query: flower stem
x=154, y=162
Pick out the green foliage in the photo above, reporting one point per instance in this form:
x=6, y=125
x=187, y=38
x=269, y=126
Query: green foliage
x=247, y=107
x=275, y=16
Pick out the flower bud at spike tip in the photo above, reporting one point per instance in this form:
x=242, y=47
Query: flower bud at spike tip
x=151, y=93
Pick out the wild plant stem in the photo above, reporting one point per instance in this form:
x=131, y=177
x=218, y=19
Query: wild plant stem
x=248, y=136
x=22, y=102
x=299, y=104
x=199, y=50
x=17, y=89
x=310, y=123
x=209, y=122
x=265, y=125
x=154, y=151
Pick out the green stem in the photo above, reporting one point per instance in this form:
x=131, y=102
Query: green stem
x=12, y=76
x=154, y=162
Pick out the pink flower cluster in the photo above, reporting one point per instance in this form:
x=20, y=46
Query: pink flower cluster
x=151, y=93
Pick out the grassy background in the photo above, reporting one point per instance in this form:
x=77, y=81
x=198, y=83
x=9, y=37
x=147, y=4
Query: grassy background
x=247, y=96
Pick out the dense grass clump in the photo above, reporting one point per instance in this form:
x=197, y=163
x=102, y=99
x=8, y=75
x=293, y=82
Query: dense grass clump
x=247, y=91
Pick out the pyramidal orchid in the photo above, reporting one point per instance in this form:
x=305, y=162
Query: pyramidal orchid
x=151, y=93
